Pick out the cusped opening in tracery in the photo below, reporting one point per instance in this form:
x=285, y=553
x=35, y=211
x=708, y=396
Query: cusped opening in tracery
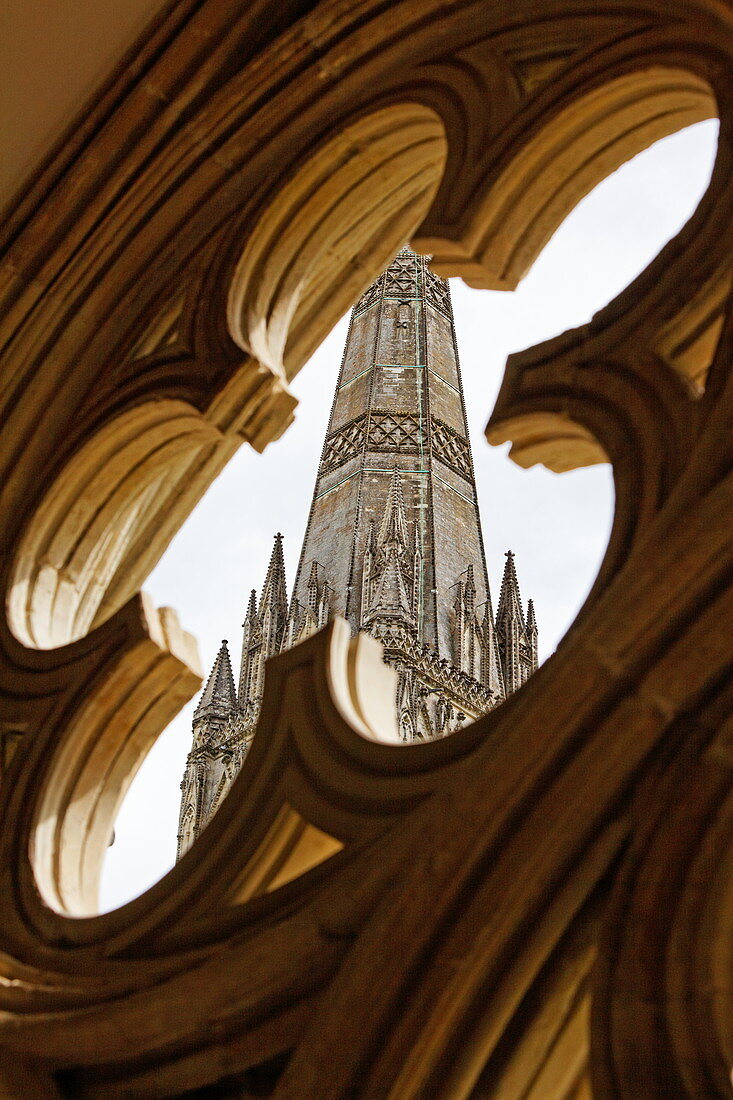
x=557, y=529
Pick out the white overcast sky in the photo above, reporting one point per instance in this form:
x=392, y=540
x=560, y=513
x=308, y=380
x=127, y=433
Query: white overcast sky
x=557, y=525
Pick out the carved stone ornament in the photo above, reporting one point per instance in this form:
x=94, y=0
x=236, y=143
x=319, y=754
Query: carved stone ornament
x=450, y=447
x=538, y=906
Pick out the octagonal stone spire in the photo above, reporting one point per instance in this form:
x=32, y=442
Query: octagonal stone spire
x=398, y=429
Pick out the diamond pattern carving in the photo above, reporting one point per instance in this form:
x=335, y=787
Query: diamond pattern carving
x=394, y=432
x=344, y=444
x=399, y=278
x=451, y=448
x=436, y=292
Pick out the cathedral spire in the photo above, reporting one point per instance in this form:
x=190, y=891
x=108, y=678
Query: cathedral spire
x=397, y=456
x=393, y=542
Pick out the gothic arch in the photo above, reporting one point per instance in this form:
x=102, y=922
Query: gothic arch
x=106, y=519
x=82, y=777
x=297, y=274
x=560, y=159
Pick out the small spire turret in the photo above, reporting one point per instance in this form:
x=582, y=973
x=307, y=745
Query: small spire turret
x=532, y=634
x=510, y=601
x=389, y=582
x=393, y=531
x=219, y=698
x=274, y=589
x=517, y=637
x=273, y=606
x=212, y=722
x=251, y=646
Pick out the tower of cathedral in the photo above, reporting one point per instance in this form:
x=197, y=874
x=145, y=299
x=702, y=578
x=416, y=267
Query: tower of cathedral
x=393, y=544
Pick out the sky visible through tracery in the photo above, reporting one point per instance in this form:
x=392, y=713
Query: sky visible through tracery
x=557, y=525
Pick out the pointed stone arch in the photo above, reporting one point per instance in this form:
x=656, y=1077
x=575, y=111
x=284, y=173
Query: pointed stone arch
x=107, y=518
x=561, y=159
x=331, y=229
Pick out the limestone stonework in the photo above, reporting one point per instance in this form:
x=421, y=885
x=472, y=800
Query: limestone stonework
x=538, y=906
x=393, y=545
